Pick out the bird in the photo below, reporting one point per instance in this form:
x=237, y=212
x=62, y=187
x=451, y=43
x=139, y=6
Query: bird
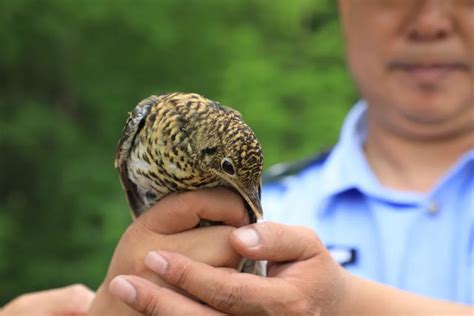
x=179, y=142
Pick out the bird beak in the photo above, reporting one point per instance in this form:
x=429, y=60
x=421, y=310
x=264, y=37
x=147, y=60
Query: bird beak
x=252, y=196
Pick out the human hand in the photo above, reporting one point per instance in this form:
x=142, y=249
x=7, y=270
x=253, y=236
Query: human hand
x=170, y=225
x=302, y=278
x=70, y=300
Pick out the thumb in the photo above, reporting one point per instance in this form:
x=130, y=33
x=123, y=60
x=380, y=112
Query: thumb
x=276, y=242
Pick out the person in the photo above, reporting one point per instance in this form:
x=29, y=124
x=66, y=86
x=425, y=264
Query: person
x=391, y=204
x=393, y=199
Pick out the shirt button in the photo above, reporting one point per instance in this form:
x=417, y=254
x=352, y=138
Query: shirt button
x=432, y=207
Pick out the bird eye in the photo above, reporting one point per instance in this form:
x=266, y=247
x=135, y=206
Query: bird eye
x=227, y=166
x=209, y=150
x=150, y=195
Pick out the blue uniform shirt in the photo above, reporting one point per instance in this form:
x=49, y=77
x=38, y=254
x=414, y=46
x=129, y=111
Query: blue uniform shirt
x=423, y=243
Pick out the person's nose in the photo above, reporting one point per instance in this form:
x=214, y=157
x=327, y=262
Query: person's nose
x=431, y=21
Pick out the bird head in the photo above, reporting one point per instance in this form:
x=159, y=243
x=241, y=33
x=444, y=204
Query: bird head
x=234, y=156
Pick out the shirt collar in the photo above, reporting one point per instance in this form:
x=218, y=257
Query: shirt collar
x=347, y=167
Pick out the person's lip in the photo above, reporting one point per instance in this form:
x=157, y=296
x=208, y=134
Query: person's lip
x=428, y=71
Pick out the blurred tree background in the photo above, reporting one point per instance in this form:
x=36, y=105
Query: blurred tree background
x=70, y=71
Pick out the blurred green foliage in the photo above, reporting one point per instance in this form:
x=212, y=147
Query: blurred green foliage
x=70, y=71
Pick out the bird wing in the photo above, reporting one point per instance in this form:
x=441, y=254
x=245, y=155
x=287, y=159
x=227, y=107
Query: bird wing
x=135, y=122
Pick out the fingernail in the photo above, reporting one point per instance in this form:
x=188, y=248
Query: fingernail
x=156, y=262
x=248, y=236
x=123, y=289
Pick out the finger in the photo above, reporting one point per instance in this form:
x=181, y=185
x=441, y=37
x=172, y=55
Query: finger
x=182, y=211
x=276, y=242
x=74, y=299
x=227, y=291
x=195, y=244
x=149, y=299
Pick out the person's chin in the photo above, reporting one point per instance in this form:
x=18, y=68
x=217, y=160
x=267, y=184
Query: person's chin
x=419, y=106
x=430, y=99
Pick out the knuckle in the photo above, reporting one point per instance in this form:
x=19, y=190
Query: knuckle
x=188, y=198
x=150, y=306
x=224, y=296
x=78, y=295
x=233, y=297
x=295, y=304
x=309, y=235
x=302, y=307
x=77, y=290
x=311, y=242
x=210, y=295
x=180, y=276
x=181, y=203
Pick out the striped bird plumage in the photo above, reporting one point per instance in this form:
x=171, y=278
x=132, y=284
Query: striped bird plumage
x=183, y=141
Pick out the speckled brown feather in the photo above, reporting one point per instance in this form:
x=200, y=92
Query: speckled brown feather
x=163, y=144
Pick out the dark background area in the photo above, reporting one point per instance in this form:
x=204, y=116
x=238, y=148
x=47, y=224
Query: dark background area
x=71, y=70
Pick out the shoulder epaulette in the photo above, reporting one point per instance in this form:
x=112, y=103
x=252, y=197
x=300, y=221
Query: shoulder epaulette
x=282, y=170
